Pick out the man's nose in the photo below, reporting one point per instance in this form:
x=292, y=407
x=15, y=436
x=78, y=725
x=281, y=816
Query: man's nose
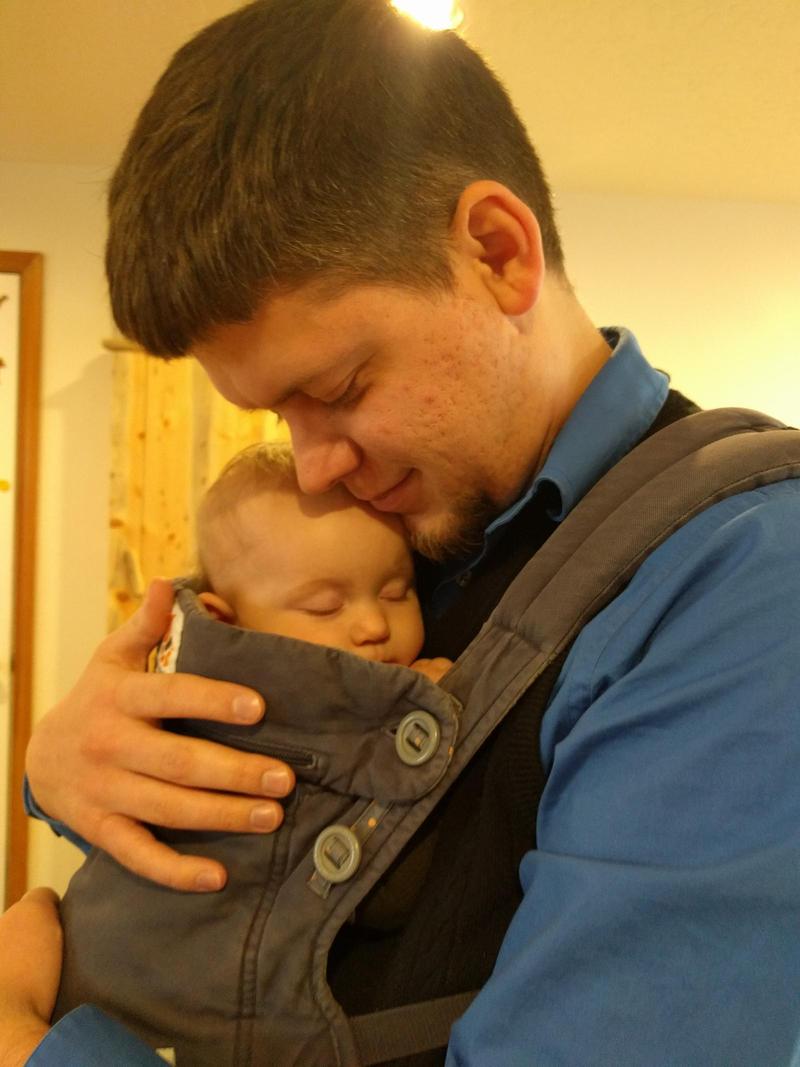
x=370, y=626
x=321, y=466
x=322, y=455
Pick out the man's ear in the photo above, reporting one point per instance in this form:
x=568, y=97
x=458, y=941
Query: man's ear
x=216, y=606
x=500, y=237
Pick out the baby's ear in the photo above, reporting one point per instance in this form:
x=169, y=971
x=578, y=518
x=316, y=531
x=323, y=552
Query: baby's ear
x=216, y=606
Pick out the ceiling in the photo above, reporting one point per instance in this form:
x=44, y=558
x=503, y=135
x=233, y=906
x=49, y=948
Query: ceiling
x=677, y=97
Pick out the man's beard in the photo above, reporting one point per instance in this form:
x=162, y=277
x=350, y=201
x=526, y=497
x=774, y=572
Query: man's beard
x=459, y=533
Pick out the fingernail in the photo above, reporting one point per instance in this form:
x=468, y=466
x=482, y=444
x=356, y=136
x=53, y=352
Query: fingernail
x=276, y=782
x=264, y=817
x=209, y=881
x=247, y=707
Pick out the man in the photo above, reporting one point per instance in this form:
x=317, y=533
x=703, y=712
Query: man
x=341, y=217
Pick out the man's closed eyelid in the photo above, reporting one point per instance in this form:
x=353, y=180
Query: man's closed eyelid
x=351, y=389
x=349, y=395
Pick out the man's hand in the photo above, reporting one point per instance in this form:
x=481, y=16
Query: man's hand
x=432, y=668
x=30, y=968
x=100, y=763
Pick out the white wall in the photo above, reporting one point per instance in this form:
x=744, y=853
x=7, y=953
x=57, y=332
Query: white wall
x=711, y=288
x=60, y=211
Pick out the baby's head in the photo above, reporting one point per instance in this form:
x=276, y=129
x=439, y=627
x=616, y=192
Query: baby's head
x=324, y=569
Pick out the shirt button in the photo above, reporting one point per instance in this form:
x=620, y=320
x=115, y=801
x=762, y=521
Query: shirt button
x=464, y=579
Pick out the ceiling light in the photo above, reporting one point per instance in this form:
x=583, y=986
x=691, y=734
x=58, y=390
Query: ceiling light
x=434, y=14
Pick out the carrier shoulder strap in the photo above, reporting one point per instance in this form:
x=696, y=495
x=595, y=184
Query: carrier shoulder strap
x=664, y=482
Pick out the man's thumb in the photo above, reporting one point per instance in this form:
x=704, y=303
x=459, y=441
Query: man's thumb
x=148, y=624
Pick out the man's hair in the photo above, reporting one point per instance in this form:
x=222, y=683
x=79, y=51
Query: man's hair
x=257, y=469
x=296, y=141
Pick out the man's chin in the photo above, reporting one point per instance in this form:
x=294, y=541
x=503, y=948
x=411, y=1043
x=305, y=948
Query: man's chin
x=452, y=534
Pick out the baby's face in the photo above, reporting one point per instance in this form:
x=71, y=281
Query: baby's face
x=323, y=569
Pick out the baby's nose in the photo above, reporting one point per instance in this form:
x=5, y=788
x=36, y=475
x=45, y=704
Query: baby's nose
x=370, y=627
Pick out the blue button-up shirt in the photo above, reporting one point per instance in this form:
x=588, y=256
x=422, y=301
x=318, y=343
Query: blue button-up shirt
x=660, y=923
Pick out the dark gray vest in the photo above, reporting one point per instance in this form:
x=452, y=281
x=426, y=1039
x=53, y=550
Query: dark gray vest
x=240, y=977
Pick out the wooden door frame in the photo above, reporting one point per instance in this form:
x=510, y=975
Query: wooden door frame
x=29, y=267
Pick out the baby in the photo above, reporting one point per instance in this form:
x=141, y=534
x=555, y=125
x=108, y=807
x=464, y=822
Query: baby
x=365, y=736
x=325, y=569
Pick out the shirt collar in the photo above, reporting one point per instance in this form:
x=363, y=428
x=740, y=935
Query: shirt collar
x=613, y=413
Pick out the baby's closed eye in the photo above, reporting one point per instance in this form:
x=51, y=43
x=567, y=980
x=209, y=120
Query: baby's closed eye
x=321, y=604
x=397, y=589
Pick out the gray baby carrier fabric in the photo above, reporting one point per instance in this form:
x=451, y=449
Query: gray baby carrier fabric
x=239, y=977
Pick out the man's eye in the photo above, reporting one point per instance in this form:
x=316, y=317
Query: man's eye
x=349, y=395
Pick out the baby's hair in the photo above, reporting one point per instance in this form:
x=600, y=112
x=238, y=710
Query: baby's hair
x=255, y=469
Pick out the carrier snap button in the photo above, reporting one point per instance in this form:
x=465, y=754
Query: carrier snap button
x=337, y=853
x=417, y=738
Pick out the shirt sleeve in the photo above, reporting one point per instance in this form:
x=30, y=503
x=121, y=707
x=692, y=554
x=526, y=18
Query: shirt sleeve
x=660, y=923
x=90, y=1038
x=59, y=828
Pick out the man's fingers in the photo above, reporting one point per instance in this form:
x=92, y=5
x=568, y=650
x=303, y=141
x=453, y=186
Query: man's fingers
x=133, y=846
x=172, y=806
x=201, y=764
x=168, y=695
x=131, y=643
x=187, y=696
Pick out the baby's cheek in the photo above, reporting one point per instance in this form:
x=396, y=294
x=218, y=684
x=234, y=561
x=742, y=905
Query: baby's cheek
x=418, y=632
